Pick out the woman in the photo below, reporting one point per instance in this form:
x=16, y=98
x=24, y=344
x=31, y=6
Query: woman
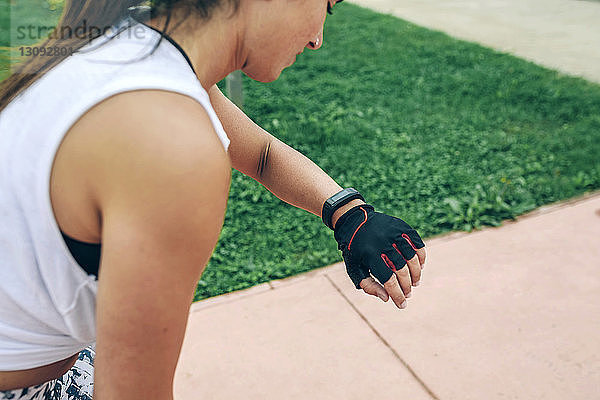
x=114, y=160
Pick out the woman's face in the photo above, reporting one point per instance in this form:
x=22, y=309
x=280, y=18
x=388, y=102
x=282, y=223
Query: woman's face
x=280, y=30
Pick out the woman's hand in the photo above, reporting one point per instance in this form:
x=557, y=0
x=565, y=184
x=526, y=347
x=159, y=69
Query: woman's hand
x=378, y=244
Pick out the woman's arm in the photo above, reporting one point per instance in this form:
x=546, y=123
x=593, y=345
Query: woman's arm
x=285, y=172
x=298, y=181
x=161, y=181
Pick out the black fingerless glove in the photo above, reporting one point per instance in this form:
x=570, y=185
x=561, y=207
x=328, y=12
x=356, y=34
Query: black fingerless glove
x=374, y=243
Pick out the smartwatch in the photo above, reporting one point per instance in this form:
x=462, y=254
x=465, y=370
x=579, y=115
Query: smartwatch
x=336, y=201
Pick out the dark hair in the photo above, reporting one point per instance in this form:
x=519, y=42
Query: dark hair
x=100, y=14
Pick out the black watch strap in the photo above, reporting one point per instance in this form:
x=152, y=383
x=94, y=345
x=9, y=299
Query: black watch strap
x=336, y=201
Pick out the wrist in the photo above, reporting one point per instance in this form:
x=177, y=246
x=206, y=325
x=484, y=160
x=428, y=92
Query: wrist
x=337, y=201
x=340, y=211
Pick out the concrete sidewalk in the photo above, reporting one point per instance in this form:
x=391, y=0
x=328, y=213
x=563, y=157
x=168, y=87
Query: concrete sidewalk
x=559, y=34
x=503, y=313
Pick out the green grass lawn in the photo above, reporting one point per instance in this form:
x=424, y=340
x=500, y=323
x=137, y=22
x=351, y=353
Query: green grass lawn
x=444, y=134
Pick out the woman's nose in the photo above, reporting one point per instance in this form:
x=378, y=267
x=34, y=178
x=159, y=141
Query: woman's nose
x=316, y=43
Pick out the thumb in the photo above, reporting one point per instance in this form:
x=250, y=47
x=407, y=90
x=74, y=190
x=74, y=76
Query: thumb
x=370, y=286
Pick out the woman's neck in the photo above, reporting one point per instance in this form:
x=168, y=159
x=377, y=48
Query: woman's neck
x=215, y=47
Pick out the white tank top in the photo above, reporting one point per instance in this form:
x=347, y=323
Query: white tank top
x=47, y=301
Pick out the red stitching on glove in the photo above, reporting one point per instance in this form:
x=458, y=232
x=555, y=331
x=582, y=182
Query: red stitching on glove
x=352, y=238
x=401, y=255
x=388, y=262
x=405, y=236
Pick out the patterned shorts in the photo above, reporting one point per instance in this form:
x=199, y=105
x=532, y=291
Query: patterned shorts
x=76, y=384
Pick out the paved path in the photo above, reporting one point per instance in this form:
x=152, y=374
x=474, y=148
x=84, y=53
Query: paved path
x=559, y=34
x=503, y=313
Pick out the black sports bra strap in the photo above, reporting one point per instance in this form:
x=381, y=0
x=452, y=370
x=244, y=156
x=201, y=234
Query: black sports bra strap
x=87, y=255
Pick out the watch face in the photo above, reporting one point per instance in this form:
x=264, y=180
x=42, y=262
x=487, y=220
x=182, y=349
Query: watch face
x=338, y=196
x=341, y=194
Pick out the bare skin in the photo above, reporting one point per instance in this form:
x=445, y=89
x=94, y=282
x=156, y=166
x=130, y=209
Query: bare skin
x=30, y=377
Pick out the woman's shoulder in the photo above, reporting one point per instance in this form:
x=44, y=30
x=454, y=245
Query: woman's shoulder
x=143, y=135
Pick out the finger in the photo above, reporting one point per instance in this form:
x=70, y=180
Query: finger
x=370, y=286
x=404, y=248
x=414, y=239
x=416, y=243
x=422, y=254
x=415, y=270
x=414, y=266
x=403, y=278
x=396, y=262
x=393, y=289
x=384, y=267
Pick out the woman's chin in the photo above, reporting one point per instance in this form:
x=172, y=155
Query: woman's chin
x=264, y=76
